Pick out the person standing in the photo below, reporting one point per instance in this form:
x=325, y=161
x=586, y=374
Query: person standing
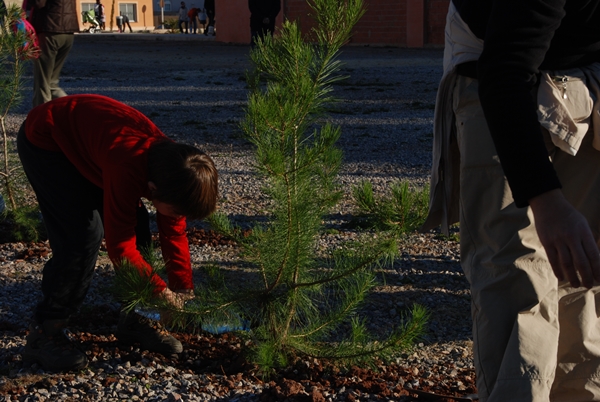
x=55, y=22
x=202, y=20
x=517, y=161
x=193, y=16
x=100, y=15
x=262, y=18
x=183, y=17
x=90, y=161
x=209, y=7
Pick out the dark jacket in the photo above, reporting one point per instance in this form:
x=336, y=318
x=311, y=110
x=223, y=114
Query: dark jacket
x=261, y=9
x=520, y=39
x=54, y=16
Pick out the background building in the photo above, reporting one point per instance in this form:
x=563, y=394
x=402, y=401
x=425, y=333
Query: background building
x=140, y=12
x=403, y=23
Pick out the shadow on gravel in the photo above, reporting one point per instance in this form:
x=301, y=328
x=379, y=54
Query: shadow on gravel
x=194, y=89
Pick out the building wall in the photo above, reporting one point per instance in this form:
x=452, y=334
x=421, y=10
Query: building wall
x=436, y=21
x=407, y=23
x=233, y=21
x=144, y=13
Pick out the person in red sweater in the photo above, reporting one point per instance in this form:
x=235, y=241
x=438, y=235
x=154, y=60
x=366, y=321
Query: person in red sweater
x=193, y=16
x=91, y=160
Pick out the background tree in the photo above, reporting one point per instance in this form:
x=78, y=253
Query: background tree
x=18, y=45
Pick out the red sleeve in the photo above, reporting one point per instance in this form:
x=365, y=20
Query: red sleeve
x=122, y=192
x=176, y=252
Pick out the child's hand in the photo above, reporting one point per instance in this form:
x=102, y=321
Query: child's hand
x=177, y=299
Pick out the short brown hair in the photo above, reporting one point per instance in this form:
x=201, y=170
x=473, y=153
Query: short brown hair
x=185, y=177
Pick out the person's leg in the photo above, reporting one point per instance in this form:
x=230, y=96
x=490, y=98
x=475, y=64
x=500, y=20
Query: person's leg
x=133, y=327
x=129, y=25
x=211, y=19
x=143, y=236
x=513, y=288
x=181, y=26
x=68, y=205
x=63, y=44
x=186, y=26
x=271, y=28
x=578, y=372
x=43, y=68
x=254, y=35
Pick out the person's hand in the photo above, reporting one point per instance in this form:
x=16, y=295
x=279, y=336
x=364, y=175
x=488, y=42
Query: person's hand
x=177, y=299
x=266, y=20
x=567, y=239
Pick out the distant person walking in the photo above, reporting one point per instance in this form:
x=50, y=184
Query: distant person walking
x=183, y=17
x=55, y=22
x=100, y=16
x=209, y=6
x=262, y=18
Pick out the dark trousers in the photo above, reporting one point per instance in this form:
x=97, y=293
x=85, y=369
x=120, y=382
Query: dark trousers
x=183, y=23
x=260, y=32
x=71, y=207
x=210, y=14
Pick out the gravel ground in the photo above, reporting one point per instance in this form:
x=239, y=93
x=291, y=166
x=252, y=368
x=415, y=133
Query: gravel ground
x=194, y=90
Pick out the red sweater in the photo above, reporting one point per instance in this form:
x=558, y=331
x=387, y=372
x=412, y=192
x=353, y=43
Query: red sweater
x=107, y=141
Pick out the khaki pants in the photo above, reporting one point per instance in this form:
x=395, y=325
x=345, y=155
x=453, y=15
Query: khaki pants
x=46, y=69
x=534, y=339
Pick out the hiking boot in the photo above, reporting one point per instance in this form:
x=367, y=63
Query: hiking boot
x=150, y=334
x=49, y=346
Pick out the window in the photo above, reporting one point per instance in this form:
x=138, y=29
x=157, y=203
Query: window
x=128, y=9
x=167, y=5
x=87, y=7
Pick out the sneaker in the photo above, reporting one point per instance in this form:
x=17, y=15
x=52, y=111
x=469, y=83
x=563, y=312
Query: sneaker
x=49, y=346
x=150, y=334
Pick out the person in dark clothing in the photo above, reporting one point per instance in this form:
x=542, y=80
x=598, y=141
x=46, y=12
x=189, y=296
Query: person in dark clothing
x=209, y=7
x=100, y=15
x=516, y=159
x=183, y=18
x=126, y=23
x=55, y=22
x=262, y=18
x=90, y=161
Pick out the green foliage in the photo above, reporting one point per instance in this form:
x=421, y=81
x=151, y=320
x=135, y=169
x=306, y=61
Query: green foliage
x=402, y=211
x=300, y=302
x=24, y=220
x=132, y=288
x=453, y=236
x=27, y=224
x=172, y=24
x=13, y=57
